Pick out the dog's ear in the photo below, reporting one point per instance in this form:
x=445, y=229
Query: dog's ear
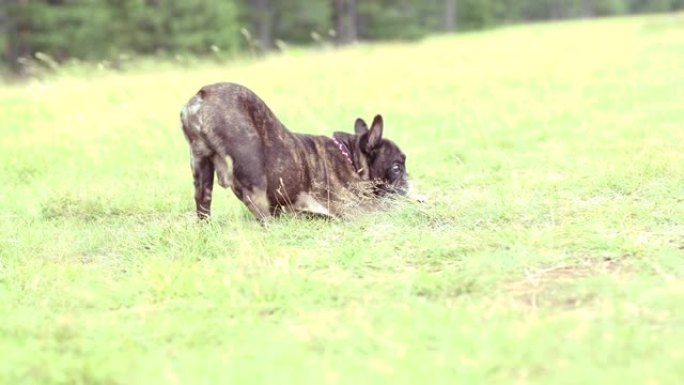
x=371, y=138
x=360, y=127
x=375, y=134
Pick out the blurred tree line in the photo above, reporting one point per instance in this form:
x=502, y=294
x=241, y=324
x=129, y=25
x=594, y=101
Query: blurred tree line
x=104, y=29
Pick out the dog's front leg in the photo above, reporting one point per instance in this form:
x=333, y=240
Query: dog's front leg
x=257, y=203
x=249, y=185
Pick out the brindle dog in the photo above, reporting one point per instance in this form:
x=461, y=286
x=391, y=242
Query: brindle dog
x=233, y=134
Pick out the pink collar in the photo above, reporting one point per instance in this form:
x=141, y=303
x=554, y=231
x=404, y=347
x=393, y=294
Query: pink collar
x=344, y=150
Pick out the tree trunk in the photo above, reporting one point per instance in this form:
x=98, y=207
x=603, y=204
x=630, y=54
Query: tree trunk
x=345, y=21
x=588, y=8
x=450, y=15
x=352, y=22
x=17, y=31
x=263, y=12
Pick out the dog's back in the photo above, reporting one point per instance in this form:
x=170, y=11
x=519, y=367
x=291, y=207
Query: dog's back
x=217, y=106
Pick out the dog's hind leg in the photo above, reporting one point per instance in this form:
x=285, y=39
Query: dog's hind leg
x=203, y=179
x=201, y=162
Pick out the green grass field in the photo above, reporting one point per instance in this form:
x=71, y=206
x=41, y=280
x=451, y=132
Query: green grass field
x=551, y=250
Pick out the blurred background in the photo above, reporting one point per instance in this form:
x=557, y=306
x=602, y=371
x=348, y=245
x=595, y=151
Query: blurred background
x=50, y=32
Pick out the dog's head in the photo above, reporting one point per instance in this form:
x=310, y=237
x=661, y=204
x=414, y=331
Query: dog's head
x=386, y=162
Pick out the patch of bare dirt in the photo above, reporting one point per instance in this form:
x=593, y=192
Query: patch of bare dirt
x=554, y=286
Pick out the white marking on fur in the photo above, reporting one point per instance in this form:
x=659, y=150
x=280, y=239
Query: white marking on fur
x=199, y=124
x=195, y=106
x=190, y=114
x=306, y=202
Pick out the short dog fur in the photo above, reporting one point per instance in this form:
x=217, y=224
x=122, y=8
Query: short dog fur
x=234, y=135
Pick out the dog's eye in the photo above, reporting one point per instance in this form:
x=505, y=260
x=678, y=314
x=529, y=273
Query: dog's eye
x=396, y=168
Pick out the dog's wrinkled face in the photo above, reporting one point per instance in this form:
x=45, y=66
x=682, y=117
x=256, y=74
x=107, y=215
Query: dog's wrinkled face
x=387, y=164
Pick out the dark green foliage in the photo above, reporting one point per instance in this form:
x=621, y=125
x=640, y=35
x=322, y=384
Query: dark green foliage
x=396, y=19
x=104, y=29
x=297, y=20
x=62, y=29
x=477, y=14
x=174, y=25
